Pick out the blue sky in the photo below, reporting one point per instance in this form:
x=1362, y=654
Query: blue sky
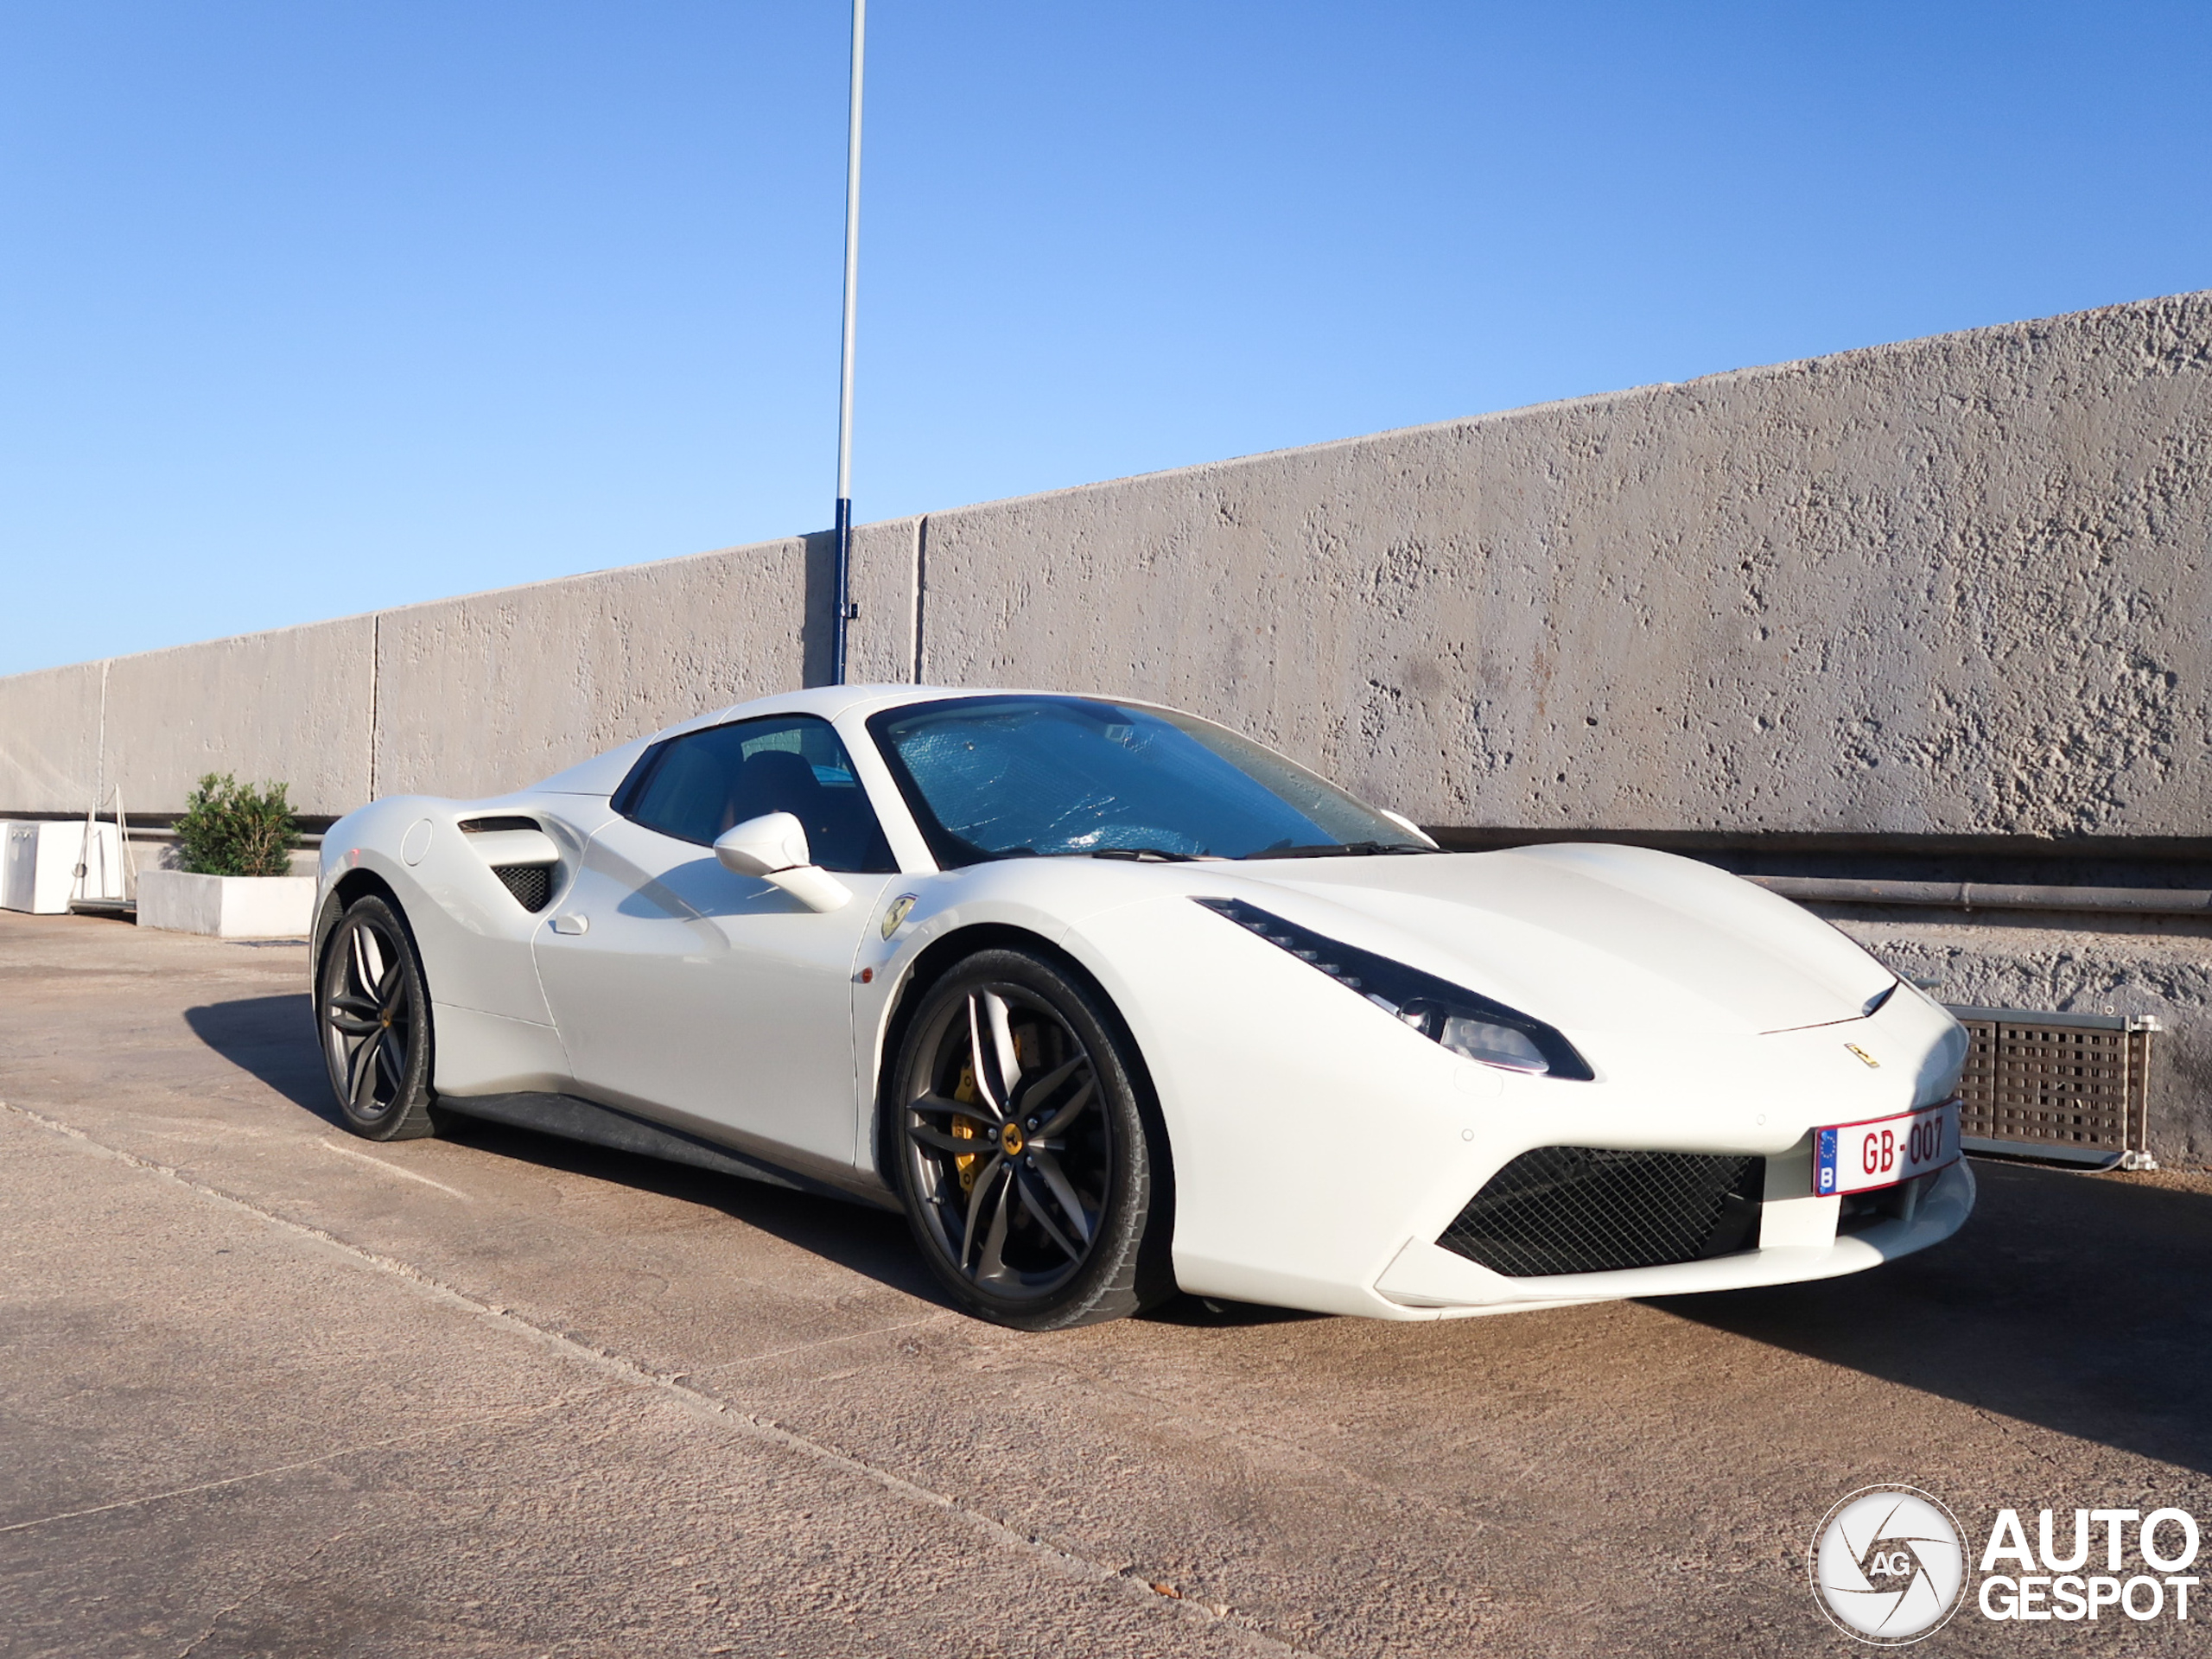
x=309, y=309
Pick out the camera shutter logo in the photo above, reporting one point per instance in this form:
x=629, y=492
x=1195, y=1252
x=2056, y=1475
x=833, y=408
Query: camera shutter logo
x=1888, y=1565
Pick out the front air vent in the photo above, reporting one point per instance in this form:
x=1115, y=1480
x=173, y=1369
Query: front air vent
x=531, y=884
x=1583, y=1209
x=517, y=850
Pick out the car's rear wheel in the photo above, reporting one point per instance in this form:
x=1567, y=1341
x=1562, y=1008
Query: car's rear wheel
x=1034, y=1184
x=375, y=1016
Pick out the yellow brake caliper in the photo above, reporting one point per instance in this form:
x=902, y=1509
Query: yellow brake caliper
x=963, y=1129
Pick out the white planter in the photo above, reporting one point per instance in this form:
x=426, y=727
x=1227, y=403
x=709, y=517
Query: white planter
x=228, y=906
x=39, y=861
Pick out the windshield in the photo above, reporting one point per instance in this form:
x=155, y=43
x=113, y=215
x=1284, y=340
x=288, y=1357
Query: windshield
x=1000, y=777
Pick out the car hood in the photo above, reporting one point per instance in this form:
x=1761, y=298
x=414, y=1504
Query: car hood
x=1590, y=936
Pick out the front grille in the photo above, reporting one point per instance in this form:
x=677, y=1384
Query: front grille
x=531, y=884
x=1580, y=1210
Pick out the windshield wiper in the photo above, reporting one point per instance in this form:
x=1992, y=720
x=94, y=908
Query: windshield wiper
x=1343, y=850
x=987, y=855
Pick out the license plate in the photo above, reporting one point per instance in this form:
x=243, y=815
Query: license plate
x=1883, y=1151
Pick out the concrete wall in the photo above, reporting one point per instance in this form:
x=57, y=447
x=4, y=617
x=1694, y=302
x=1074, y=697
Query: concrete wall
x=1956, y=586
x=292, y=704
x=50, y=738
x=486, y=693
x=459, y=696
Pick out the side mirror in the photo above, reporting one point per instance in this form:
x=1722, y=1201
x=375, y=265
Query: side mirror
x=773, y=848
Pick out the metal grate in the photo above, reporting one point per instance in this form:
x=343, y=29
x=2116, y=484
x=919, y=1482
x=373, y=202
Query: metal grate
x=1581, y=1210
x=531, y=884
x=2073, y=1087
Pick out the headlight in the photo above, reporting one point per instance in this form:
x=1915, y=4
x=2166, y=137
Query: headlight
x=1465, y=1021
x=1476, y=1037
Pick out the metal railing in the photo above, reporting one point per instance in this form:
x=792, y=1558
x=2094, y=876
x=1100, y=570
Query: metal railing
x=1991, y=895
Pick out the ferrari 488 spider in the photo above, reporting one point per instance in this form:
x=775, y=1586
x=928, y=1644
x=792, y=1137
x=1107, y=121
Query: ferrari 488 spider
x=1112, y=1000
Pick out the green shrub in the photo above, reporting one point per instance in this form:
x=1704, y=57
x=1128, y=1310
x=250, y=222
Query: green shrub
x=233, y=829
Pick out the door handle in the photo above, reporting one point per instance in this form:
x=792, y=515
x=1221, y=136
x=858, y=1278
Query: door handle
x=572, y=924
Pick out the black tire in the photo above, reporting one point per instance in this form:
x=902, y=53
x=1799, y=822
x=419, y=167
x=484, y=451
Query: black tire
x=1059, y=1216
x=372, y=1014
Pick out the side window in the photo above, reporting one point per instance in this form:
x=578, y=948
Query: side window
x=695, y=786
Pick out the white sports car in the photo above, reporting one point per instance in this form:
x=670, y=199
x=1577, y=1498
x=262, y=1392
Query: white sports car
x=1111, y=1001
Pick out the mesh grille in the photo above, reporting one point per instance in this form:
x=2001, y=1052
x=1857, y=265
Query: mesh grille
x=2074, y=1086
x=1579, y=1209
x=531, y=884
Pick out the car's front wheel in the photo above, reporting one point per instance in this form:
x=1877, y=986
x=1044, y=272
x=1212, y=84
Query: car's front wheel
x=375, y=1016
x=1034, y=1185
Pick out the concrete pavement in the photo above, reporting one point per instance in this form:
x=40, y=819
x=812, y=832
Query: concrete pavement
x=267, y=1389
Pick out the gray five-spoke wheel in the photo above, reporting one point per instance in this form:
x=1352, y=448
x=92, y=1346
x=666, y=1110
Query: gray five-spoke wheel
x=1023, y=1154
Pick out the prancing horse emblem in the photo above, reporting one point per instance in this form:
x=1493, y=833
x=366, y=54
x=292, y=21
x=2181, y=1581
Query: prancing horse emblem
x=1864, y=1055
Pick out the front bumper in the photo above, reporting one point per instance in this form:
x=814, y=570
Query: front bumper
x=1798, y=1241
x=1320, y=1147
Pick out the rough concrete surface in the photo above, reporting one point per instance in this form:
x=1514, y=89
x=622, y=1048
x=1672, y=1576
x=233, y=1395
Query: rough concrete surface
x=487, y=693
x=50, y=732
x=292, y=705
x=267, y=1390
x=1951, y=586
x=883, y=639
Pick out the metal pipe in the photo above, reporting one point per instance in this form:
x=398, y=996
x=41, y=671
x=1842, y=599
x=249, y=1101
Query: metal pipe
x=844, y=575
x=1991, y=895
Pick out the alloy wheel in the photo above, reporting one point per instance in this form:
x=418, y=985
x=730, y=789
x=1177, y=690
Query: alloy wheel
x=372, y=1019
x=1006, y=1129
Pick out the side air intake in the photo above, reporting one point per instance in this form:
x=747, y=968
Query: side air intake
x=520, y=853
x=531, y=884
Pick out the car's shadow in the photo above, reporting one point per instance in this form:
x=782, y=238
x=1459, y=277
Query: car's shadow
x=869, y=1241
x=273, y=1038
x=875, y=1244
x=2069, y=1301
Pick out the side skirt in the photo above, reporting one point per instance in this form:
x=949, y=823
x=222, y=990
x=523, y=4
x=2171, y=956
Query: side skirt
x=575, y=1119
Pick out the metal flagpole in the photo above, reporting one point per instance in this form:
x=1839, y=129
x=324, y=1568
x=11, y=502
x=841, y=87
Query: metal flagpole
x=844, y=582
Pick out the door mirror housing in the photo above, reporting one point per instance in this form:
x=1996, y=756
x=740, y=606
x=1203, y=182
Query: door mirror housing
x=763, y=846
x=773, y=848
